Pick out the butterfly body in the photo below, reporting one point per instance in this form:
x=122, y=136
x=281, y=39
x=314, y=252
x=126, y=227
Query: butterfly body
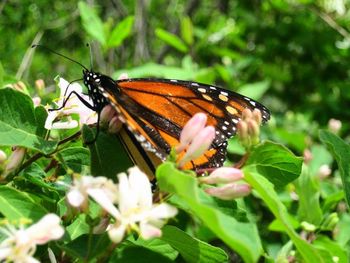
x=155, y=111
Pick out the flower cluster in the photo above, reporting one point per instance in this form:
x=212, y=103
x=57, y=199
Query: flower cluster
x=248, y=128
x=20, y=243
x=132, y=195
x=196, y=138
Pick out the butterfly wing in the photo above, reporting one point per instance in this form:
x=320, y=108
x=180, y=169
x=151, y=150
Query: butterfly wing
x=156, y=110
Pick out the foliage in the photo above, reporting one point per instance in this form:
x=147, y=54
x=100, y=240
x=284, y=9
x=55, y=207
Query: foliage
x=290, y=55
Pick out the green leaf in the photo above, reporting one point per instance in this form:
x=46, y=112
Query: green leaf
x=341, y=153
x=15, y=204
x=2, y=73
x=78, y=228
x=138, y=254
x=18, y=123
x=187, y=30
x=275, y=162
x=92, y=23
x=108, y=156
x=36, y=175
x=159, y=246
x=320, y=156
x=269, y=196
x=79, y=247
x=192, y=249
x=40, y=116
x=171, y=40
x=120, y=32
x=333, y=248
x=75, y=158
x=254, y=90
x=241, y=237
x=309, y=209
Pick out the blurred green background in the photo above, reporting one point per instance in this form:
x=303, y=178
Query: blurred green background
x=292, y=55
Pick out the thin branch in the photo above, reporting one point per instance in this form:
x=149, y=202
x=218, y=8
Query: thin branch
x=27, y=59
x=332, y=23
x=39, y=155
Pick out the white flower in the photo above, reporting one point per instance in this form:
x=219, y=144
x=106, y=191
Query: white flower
x=73, y=105
x=20, y=244
x=133, y=195
x=99, y=188
x=136, y=209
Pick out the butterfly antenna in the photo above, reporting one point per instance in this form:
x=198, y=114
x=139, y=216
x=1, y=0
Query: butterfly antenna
x=61, y=55
x=91, y=58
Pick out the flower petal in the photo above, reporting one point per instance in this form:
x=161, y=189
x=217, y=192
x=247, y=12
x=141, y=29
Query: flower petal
x=116, y=233
x=148, y=231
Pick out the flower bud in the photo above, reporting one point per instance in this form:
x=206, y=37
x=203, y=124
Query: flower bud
x=334, y=125
x=242, y=130
x=330, y=222
x=107, y=114
x=247, y=114
x=223, y=175
x=307, y=156
x=229, y=191
x=191, y=129
x=123, y=76
x=3, y=156
x=36, y=101
x=324, y=171
x=15, y=160
x=199, y=145
x=307, y=226
x=257, y=116
x=39, y=85
x=114, y=125
x=20, y=86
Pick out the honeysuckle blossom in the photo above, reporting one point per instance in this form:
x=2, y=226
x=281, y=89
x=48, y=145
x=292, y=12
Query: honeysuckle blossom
x=20, y=243
x=195, y=138
x=136, y=210
x=73, y=105
x=132, y=195
x=99, y=188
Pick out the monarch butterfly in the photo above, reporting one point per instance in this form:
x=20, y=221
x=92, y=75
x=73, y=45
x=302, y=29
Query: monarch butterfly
x=155, y=111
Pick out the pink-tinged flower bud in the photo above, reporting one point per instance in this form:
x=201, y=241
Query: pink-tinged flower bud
x=20, y=86
x=191, y=129
x=229, y=191
x=242, y=130
x=107, y=114
x=39, y=84
x=15, y=160
x=334, y=125
x=253, y=128
x=201, y=142
x=123, y=76
x=3, y=156
x=36, y=101
x=223, y=175
x=324, y=171
x=114, y=125
x=257, y=116
x=247, y=114
x=307, y=156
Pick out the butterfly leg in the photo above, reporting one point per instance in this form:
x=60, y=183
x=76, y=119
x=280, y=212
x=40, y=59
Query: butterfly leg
x=87, y=104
